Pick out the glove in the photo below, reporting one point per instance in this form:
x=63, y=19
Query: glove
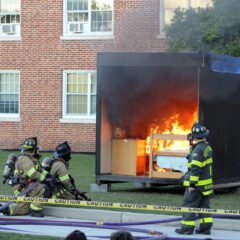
x=191, y=189
x=5, y=211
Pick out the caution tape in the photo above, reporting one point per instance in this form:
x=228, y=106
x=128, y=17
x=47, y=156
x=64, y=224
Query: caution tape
x=78, y=203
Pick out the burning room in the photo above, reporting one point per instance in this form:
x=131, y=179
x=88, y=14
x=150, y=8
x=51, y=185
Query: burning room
x=147, y=103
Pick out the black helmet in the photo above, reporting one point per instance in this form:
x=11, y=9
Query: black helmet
x=63, y=150
x=29, y=144
x=199, y=131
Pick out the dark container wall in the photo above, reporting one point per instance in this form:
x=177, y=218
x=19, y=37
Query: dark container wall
x=220, y=107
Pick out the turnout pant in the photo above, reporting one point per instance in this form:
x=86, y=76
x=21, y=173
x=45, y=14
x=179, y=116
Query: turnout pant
x=24, y=208
x=196, y=199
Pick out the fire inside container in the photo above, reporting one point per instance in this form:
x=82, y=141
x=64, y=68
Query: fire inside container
x=147, y=103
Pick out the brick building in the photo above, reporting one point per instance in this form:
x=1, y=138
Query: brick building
x=48, y=62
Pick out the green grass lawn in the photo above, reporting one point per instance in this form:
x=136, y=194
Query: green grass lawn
x=13, y=236
x=82, y=168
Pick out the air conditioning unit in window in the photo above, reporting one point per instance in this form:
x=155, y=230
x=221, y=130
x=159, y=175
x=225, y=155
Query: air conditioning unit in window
x=77, y=27
x=9, y=28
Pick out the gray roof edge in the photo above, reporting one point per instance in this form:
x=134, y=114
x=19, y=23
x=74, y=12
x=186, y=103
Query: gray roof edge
x=150, y=59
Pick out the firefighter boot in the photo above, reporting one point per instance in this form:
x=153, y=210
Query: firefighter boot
x=184, y=231
x=5, y=211
x=35, y=213
x=203, y=231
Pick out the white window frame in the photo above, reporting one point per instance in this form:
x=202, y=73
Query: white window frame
x=84, y=118
x=12, y=116
x=88, y=35
x=11, y=35
x=162, y=16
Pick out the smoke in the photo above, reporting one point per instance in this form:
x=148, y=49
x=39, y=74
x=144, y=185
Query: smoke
x=135, y=98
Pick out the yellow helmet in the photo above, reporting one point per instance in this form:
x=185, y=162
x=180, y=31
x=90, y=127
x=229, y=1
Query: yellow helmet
x=29, y=144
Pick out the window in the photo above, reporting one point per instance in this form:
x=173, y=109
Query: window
x=9, y=93
x=79, y=95
x=88, y=17
x=9, y=18
x=167, y=8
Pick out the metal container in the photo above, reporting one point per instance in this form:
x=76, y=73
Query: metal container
x=137, y=88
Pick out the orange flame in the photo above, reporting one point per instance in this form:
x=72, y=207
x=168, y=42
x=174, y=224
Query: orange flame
x=172, y=126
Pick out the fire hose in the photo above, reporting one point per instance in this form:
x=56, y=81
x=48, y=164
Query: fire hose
x=153, y=235
x=157, y=235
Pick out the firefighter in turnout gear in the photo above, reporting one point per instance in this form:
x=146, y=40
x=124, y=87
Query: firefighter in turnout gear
x=58, y=168
x=27, y=171
x=198, y=182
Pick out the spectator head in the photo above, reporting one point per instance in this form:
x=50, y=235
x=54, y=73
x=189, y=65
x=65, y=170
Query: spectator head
x=76, y=235
x=122, y=235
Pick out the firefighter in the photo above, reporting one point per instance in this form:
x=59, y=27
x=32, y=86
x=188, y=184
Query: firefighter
x=58, y=168
x=27, y=171
x=198, y=182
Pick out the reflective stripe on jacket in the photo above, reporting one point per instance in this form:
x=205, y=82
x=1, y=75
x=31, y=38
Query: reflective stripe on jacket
x=26, y=167
x=59, y=170
x=200, y=168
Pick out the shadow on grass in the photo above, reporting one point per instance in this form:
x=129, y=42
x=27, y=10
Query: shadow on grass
x=169, y=189
x=161, y=189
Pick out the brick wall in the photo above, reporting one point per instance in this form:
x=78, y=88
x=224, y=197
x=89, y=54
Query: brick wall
x=41, y=56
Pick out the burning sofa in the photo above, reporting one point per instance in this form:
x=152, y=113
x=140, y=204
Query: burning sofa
x=146, y=105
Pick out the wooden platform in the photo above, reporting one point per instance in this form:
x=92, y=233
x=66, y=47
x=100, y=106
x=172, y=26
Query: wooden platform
x=167, y=174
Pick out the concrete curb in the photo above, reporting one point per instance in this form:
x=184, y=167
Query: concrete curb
x=118, y=216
